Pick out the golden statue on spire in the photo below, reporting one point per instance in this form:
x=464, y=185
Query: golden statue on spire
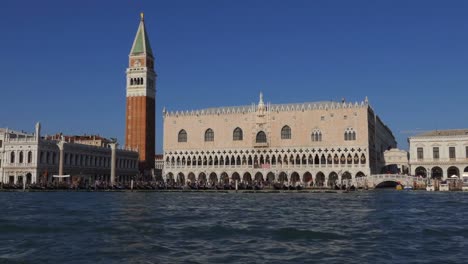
x=142, y=16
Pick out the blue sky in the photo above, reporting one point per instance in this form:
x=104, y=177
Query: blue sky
x=63, y=62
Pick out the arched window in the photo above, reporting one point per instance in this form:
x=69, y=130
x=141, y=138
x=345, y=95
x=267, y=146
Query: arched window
x=316, y=135
x=21, y=157
x=12, y=157
x=209, y=135
x=182, y=137
x=131, y=81
x=286, y=132
x=261, y=137
x=349, y=134
x=237, y=134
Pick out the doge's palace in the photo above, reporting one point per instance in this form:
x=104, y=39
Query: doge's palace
x=316, y=143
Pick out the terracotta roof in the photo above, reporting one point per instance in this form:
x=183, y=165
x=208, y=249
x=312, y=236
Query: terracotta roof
x=444, y=133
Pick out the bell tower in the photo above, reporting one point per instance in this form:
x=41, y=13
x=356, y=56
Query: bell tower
x=141, y=99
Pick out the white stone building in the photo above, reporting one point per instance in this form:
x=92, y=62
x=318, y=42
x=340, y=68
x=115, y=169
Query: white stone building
x=439, y=154
x=316, y=143
x=396, y=161
x=31, y=158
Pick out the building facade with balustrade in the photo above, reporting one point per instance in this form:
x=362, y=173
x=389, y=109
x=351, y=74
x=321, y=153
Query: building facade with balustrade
x=317, y=143
x=35, y=159
x=439, y=154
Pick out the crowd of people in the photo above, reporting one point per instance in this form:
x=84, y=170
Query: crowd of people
x=99, y=185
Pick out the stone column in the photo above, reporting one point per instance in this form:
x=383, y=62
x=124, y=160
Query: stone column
x=113, y=161
x=61, y=157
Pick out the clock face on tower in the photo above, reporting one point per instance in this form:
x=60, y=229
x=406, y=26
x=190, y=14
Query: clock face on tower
x=136, y=63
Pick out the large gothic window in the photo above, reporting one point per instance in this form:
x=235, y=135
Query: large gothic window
x=237, y=134
x=209, y=135
x=286, y=132
x=182, y=137
x=261, y=137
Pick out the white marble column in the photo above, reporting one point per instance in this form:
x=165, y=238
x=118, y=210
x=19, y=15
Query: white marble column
x=113, y=161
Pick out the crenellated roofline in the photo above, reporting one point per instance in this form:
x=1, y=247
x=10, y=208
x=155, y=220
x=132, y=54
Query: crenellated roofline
x=309, y=106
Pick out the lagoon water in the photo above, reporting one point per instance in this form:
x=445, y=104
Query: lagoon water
x=157, y=227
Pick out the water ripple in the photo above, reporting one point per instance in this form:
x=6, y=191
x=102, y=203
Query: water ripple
x=359, y=227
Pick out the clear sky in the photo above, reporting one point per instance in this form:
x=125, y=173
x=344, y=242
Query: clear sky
x=63, y=62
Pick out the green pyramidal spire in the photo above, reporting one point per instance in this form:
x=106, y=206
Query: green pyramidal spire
x=141, y=43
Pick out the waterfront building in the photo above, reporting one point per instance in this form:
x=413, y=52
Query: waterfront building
x=318, y=143
x=141, y=99
x=396, y=161
x=92, y=140
x=34, y=159
x=439, y=154
x=158, y=166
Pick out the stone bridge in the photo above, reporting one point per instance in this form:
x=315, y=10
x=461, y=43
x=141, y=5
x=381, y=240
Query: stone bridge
x=373, y=181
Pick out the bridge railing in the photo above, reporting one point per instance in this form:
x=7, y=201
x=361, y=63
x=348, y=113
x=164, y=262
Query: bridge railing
x=371, y=179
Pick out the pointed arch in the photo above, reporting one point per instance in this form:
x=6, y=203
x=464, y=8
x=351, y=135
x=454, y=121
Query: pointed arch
x=247, y=177
x=181, y=178
x=320, y=179
x=237, y=135
x=191, y=177
x=356, y=159
x=317, y=159
x=213, y=178
x=332, y=179
x=202, y=177
x=259, y=177
x=209, y=135
x=261, y=137
x=286, y=132
x=235, y=177
x=182, y=136
x=307, y=177
x=270, y=177
x=346, y=178
x=224, y=178
x=283, y=177
x=363, y=159
x=295, y=177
